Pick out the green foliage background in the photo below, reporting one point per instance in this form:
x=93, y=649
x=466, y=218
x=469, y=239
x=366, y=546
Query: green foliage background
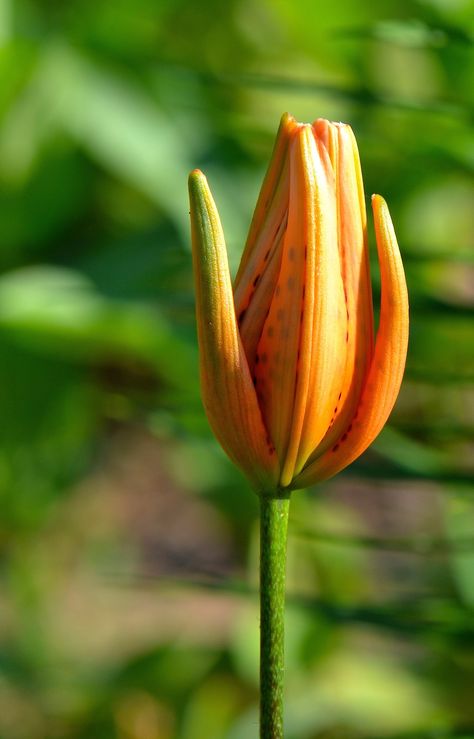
x=127, y=540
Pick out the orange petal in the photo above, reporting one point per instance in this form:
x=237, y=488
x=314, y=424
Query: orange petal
x=388, y=363
x=228, y=393
x=260, y=264
x=252, y=318
x=302, y=349
x=352, y=236
x=323, y=348
x=271, y=207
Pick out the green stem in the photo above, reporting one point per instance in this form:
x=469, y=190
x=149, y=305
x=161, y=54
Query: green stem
x=273, y=537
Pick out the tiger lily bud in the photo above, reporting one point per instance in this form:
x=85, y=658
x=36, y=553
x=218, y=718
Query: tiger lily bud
x=292, y=382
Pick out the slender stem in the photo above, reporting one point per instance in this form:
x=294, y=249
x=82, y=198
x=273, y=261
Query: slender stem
x=273, y=537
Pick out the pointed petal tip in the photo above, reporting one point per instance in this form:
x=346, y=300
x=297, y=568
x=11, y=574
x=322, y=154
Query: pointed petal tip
x=380, y=207
x=196, y=178
x=289, y=124
x=200, y=199
x=385, y=233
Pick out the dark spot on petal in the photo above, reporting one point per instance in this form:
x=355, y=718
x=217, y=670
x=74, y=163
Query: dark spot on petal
x=257, y=359
x=335, y=448
x=270, y=444
x=344, y=437
x=255, y=282
x=347, y=336
x=266, y=256
x=335, y=409
x=340, y=395
x=242, y=316
x=349, y=428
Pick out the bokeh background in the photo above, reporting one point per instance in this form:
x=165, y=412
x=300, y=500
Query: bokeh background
x=128, y=557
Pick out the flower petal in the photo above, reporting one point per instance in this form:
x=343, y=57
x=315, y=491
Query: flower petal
x=271, y=207
x=352, y=236
x=260, y=264
x=323, y=341
x=228, y=393
x=388, y=363
x=302, y=349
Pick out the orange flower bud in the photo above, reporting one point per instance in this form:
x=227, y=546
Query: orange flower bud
x=292, y=383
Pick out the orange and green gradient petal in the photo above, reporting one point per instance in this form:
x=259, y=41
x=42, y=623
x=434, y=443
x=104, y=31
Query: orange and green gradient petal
x=229, y=396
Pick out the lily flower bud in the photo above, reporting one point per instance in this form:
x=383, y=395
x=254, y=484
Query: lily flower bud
x=292, y=382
